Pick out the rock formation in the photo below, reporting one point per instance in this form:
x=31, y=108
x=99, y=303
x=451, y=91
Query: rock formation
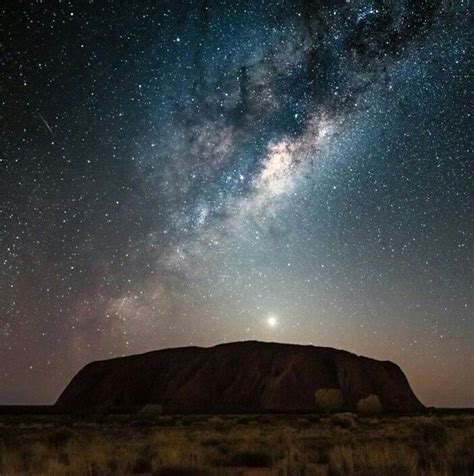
x=240, y=377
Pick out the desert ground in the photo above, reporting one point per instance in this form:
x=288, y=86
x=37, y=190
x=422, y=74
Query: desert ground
x=435, y=443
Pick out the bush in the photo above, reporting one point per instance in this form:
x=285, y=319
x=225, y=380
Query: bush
x=151, y=410
x=251, y=459
x=343, y=420
x=141, y=465
x=58, y=437
x=329, y=400
x=432, y=432
x=370, y=405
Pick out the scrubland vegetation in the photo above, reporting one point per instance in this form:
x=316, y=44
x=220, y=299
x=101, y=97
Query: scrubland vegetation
x=324, y=444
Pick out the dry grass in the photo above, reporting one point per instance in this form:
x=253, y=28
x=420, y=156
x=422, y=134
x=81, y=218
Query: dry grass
x=282, y=445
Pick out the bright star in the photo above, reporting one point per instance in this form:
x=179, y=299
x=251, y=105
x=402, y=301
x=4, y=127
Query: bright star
x=272, y=321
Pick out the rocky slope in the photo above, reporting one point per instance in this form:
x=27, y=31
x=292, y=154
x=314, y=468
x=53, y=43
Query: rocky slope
x=239, y=377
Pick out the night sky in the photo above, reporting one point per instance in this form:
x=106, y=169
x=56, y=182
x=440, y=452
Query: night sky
x=196, y=172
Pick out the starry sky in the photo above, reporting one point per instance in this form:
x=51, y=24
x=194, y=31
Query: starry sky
x=204, y=171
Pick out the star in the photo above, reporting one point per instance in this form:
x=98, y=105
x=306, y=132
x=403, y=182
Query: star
x=272, y=321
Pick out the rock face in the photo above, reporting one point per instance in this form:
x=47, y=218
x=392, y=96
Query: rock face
x=240, y=377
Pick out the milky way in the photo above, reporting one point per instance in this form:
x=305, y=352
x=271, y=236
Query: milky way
x=197, y=172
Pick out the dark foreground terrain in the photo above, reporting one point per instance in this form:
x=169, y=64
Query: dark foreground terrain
x=440, y=443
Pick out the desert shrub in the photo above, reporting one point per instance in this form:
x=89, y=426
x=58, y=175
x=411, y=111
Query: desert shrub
x=460, y=452
x=245, y=420
x=313, y=418
x=432, y=432
x=59, y=436
x=151, y=410
x=222, y=447
x=301, y=423
x=218, y=423
x=323, y=456
x=251, y=459
x=372, y=459
x=370, y=405
x=328, y=400
x=343, y=420
x=164, y=421
x=141, y=465
x=212, y=441
x=341, y=460
x=142, y=422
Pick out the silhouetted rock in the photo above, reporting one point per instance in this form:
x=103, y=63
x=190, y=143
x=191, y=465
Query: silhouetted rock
x=240, y=377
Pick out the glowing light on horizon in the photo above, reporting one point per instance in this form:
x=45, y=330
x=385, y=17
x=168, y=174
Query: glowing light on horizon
x=272, y=321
